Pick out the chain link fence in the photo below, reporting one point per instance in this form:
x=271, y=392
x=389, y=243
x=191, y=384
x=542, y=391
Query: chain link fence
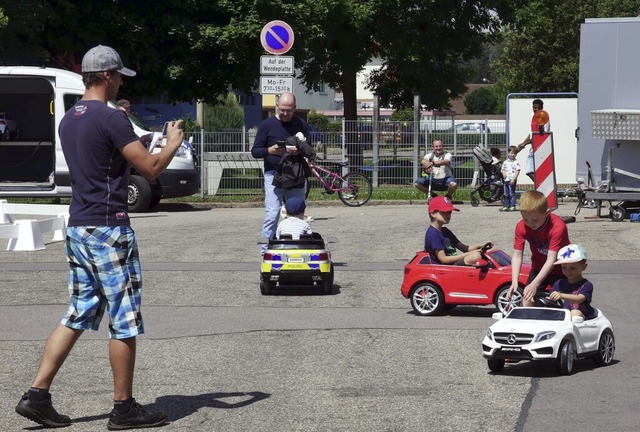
x=388, y=152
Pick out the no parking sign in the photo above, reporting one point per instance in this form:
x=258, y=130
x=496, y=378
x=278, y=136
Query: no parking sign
x=276, y=37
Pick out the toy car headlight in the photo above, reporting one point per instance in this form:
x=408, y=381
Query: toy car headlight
x=489, y=335
x=544, y=336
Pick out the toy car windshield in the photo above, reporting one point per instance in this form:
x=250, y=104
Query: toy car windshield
x=537, y=314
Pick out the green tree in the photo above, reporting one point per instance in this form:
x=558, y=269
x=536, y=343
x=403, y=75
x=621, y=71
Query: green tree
x=542, y=45
x=405, y=115
x=481, y=101
x=225, y=114
x=317, y=120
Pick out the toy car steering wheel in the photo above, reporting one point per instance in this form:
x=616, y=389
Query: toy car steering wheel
x=542, y=299
x=485, y=247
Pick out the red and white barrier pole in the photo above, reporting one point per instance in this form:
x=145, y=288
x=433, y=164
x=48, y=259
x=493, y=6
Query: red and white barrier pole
x=543, y=161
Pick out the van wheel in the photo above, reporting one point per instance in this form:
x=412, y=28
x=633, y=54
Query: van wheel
x=139, y=196
x=6, y=135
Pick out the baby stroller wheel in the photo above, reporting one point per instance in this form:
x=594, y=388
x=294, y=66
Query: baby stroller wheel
x=475, y=202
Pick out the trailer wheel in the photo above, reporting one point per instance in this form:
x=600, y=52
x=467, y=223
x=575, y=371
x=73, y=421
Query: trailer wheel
x=617, y=213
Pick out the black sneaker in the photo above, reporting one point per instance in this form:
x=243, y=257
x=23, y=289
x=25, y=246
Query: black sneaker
x=41, y=412
x=137, y=417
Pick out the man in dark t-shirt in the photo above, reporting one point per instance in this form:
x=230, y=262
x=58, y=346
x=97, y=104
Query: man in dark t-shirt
x=104, y=270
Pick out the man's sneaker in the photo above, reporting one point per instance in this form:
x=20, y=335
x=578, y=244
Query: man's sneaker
x=512, y=209
x=41, y=412
x=505, y=208
x=137, y=417
x=308, y=218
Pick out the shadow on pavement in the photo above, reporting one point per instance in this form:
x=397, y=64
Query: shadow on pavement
x=180, y=406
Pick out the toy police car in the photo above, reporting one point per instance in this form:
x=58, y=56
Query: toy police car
x=306, y=261
x=539, y=333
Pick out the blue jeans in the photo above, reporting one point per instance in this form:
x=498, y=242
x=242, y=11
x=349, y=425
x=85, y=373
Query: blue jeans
x=509, y=194
x=273, y=202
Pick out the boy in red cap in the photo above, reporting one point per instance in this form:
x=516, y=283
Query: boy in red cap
x=441, y=243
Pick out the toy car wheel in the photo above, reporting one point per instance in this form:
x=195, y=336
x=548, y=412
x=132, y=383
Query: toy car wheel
x=427, y=299
x=566, y=356
x=606, y=348
x=327, y=282
x=475, y=202
x=266, y=286
x=495, y=365
x=617, y=213
x=504, y=306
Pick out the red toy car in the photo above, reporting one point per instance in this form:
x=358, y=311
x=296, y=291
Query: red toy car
x=432, y=288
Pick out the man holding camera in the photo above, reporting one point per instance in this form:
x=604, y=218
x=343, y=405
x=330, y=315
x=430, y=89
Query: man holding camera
x=272, y=133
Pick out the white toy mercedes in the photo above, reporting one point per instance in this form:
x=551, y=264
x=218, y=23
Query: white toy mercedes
x=548, y=333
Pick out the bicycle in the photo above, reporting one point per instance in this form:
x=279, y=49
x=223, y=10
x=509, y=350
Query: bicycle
x=354, y=189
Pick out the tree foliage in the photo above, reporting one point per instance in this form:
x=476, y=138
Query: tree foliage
x=226, y=113
x=542, y=44
x=481, y=101
x=199, y=49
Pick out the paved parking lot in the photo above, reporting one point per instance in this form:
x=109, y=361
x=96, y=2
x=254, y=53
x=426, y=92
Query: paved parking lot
x=219, y=356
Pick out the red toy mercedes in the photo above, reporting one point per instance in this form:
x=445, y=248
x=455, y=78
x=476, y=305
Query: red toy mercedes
x=434, y=288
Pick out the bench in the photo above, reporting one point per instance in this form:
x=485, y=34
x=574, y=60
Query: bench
x=215, y=164
x=26, y=234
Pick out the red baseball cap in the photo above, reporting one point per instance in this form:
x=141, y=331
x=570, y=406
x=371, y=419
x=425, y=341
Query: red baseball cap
x=441, y=203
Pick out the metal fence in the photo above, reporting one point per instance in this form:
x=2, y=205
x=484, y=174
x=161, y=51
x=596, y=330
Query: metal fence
x=389, y=153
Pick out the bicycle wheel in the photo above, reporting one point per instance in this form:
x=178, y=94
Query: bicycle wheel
x=355, y=190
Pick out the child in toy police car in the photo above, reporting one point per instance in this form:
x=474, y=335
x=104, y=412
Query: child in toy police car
x=441, y=243
x=575, y=291
x=294, y=224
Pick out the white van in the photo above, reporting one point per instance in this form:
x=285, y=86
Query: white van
x=33, y=165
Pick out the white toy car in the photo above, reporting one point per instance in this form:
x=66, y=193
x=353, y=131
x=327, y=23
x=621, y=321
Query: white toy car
x=539, y=333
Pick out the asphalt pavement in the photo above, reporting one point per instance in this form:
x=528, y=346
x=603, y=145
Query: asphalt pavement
x=219, y=356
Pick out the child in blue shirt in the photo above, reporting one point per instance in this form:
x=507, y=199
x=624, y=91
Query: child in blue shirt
x=441, y=243
x=574, y=291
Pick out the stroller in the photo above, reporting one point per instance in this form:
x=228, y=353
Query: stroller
x=492, y=188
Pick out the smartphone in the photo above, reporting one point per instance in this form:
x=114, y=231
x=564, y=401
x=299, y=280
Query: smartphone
x=281, y=144
x=165, y=129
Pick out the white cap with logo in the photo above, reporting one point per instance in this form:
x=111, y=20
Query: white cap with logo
x=570, y=254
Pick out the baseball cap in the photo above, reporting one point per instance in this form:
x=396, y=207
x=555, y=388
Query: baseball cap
x=570, y=254
x=441, y=203
x=104, y=58
x=295, y=205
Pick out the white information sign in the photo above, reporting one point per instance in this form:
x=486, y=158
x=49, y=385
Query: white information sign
x=275, y=85
x=276, y=65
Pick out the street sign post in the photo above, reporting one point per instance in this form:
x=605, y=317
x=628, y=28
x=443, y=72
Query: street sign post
x=276, y=65
x=275, y=85
x=277, y=37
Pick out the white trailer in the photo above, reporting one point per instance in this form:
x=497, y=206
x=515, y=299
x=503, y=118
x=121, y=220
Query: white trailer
x=609, y=111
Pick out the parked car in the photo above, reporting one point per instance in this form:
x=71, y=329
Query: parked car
x=544, y=333
x=470, y=128
x=8, y=127
x=432, y=288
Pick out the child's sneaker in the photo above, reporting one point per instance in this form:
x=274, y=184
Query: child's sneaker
x=137, y=417
x=41, y=412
